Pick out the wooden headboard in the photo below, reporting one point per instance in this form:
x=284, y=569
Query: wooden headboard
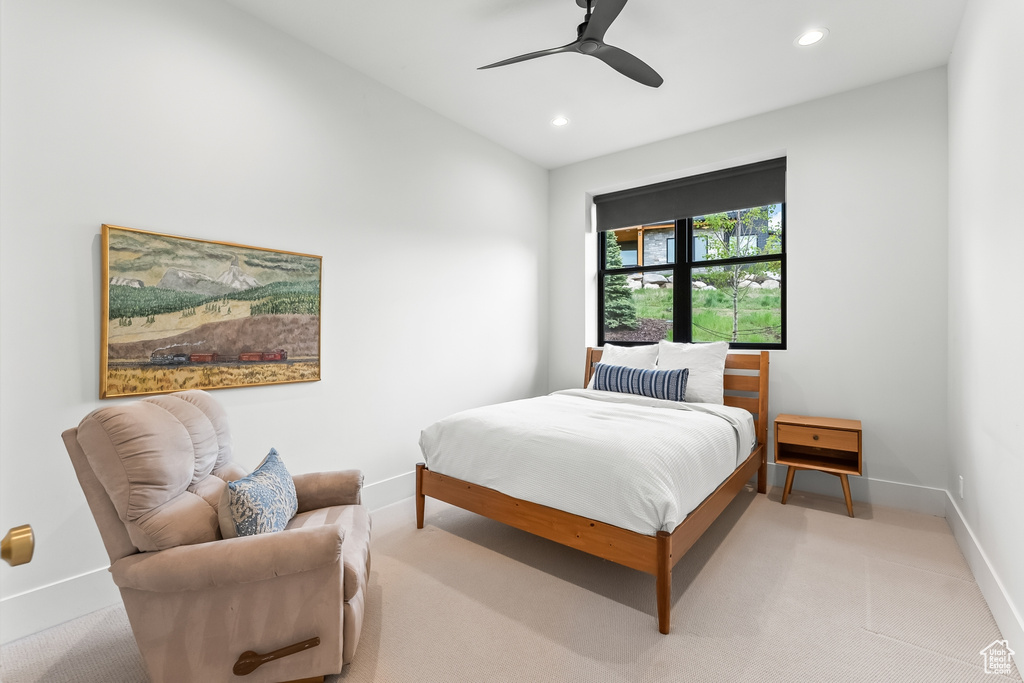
x=745, y=382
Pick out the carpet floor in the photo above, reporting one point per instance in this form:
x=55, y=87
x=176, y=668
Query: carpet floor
x=799, y=592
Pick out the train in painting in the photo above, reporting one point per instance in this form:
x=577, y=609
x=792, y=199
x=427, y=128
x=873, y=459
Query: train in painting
x=158, y=358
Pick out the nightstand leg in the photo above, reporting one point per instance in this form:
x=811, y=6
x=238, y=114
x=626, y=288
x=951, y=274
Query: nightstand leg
x=790, y=471
x=846, y=492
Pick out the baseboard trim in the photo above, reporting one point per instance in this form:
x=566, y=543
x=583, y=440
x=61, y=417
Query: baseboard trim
x=383, y=493
x=1008, y=619
x=922, y=499
x=40, y=608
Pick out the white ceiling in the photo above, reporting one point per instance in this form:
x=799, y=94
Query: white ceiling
x=722, y=60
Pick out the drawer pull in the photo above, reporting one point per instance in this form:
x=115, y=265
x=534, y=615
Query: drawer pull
x=815, y=437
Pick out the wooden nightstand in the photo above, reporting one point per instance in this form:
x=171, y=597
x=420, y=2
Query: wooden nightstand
x=818, y=443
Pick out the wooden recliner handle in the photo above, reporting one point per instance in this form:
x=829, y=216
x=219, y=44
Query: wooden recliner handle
x=249, y=661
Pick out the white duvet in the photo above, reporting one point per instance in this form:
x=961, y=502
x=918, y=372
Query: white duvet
x=638, y=463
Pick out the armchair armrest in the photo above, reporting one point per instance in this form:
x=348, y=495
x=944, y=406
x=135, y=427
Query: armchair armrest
x=324, y=489
x=231, y=561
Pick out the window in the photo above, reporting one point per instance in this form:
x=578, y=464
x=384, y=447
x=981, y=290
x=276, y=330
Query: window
x=731, y=262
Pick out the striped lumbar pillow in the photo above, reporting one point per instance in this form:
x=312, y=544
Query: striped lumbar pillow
x=665, y=384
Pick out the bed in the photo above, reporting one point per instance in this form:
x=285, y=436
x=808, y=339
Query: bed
x=642, y=547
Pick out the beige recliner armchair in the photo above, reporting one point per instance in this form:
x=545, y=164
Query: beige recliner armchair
x=200, y=605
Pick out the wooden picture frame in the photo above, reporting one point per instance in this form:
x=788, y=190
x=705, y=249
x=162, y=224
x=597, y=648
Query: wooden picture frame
x=183, y=313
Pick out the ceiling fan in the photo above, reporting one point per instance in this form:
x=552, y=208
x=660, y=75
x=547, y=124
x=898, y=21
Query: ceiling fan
x=590, y=41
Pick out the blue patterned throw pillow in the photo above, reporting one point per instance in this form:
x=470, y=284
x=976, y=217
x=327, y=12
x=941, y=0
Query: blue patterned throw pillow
x=260, y=503
x=665, y=384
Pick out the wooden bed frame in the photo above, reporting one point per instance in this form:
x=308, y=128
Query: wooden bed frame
x=746, y=386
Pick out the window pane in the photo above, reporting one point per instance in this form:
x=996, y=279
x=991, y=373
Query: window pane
x=659, y=244
x=745, y=232
x=621, y=248
x=638, y=307
x=645, y=245
x=741, y=303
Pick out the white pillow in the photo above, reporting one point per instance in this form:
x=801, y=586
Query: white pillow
x=644, y=357
x=707, y=368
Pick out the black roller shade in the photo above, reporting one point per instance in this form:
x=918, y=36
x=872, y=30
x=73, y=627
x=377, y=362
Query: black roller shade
x=741, y=187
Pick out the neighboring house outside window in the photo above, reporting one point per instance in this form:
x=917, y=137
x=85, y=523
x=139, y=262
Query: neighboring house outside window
x=726, y=282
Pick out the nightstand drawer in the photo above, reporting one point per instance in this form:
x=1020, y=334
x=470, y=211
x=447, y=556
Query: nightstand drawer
x=818, y=438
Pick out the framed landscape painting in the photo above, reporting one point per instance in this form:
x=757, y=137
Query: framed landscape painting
x=182, y=313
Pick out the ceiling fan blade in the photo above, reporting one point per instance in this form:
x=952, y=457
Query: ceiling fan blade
x=605, y=12
x=628, y=65
x=533, y=55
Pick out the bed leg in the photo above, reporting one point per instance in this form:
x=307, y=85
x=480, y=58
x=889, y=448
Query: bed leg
x=762, y=476
x=664, y=581
x=419, y=495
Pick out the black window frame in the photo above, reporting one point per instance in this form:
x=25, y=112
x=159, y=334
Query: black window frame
x=682, y=270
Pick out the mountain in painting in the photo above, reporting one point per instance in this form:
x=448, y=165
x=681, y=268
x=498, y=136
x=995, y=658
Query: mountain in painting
x=231, y=280
x=234, y=278
x=127, y=282
x=191, y=281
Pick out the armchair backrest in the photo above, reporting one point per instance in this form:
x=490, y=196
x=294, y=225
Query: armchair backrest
x=153, y=471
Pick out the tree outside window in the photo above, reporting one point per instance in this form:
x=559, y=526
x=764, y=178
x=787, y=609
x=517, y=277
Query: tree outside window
x=744, y=290
x=619, y=309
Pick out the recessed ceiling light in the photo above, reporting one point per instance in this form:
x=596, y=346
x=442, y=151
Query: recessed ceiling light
x=559, y=121
x=812, y=36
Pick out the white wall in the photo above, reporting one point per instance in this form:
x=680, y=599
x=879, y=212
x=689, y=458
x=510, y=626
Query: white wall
x=192, y=118
x=867, y=262
x=986, y=245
